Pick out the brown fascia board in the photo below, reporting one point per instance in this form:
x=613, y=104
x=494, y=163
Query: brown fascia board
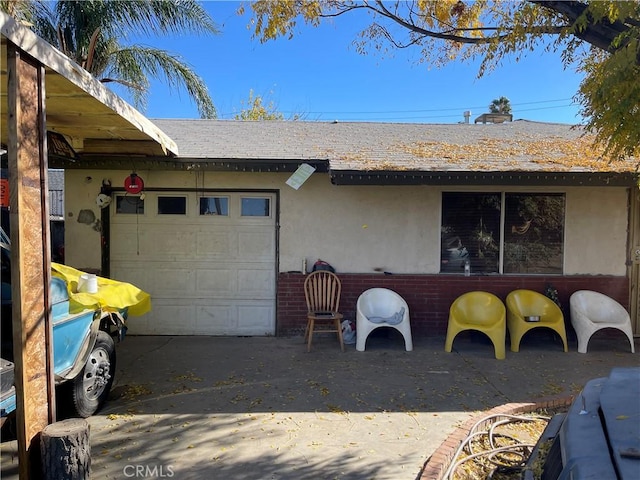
x=356, y=177
x=351, y=177
x=146, y=162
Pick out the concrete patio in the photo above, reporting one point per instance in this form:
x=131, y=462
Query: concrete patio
x=264, y=408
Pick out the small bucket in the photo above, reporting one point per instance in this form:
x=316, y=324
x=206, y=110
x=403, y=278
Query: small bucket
x=88, y=283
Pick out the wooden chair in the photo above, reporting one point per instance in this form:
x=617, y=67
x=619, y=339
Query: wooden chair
x=322, y=292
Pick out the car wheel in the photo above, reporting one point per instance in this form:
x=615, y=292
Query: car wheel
x=91, y=387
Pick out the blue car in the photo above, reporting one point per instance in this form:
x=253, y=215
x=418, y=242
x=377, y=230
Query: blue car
x=84, y=353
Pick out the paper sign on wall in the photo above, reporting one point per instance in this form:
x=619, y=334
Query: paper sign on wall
x=300, y=176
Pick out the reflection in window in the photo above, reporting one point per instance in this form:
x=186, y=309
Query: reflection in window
x=214, y=206
x=129, y=204
x=470, y=232
x=172, y=205
x=255, y=207
x=533, y=232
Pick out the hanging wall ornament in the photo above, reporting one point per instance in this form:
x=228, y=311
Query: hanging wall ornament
x=106, y=187
x=103, y=200
x=133, y=184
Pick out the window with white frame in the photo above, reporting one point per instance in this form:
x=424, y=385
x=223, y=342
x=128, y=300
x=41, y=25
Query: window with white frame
x=255, y=207
x=168, y=205
x=128, y=204
x=214, y=206
x=502, y=232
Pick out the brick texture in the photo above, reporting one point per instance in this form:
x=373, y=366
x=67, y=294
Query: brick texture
x=430, y=296
x=437, y=464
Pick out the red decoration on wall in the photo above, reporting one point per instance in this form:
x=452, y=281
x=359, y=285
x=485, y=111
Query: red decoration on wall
x=133, y=184
x=4, y=192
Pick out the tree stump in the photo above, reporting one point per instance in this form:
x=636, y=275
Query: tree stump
x=65, y=450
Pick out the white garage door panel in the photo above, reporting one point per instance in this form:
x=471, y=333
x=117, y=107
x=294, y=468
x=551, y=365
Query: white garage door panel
x=254, y=244
x=190, y=319
x=173, y=281
x=219, y=281
x=252, y=318
x=163, y=319
x=207, y=275
x=214, y=244
x=254, y=283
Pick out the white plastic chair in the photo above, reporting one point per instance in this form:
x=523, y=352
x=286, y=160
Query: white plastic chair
x=593, y=311
x=381, y=307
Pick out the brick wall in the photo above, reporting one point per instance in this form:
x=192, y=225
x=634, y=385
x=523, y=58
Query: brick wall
x=430, y=296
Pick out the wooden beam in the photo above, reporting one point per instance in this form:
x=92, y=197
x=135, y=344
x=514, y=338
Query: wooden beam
x=30, y=257
x=123, y=147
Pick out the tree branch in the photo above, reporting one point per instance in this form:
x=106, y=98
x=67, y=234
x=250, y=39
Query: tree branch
x=599, y=34
x=383, y=11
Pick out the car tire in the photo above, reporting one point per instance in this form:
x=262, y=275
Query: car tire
x=90, y=389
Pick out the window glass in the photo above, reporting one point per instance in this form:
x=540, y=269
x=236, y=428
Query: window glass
x=255, y=207
x=214, y=206
x=172, y=205
x=129, y=204
x=470, y=231
x=534, y=233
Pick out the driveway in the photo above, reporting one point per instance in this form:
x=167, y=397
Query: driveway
x=264, y=408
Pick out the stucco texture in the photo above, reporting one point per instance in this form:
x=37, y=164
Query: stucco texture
x=361, y=229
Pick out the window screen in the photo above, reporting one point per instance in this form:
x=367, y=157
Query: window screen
x=470, y=231
x=534, y=233
x=533, y=226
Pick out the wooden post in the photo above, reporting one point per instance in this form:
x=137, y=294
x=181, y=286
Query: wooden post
x=30, y=257
x=65, y=450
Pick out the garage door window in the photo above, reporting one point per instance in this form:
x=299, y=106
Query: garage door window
x=214, y=206
x=172, y=205
x=129, y=204
x=255, y=207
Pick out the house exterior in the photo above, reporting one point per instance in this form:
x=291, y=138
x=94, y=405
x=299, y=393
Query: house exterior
x=44, y=97
x=219, y=238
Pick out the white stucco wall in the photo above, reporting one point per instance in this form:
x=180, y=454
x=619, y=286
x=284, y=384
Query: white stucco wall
x=361, y=228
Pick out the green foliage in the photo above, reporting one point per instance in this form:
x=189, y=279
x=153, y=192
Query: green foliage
x=600, y=38
x=91, y=32
x=610, y=96
x=256, y=110
x=500, y=105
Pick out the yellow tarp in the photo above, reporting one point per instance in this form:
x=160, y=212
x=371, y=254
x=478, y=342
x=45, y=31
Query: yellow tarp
x=112, y=295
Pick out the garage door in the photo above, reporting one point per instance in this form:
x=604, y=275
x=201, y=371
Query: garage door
x=207, y=259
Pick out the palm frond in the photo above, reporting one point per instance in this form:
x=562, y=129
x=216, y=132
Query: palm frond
x=93, y=33
x=135, y=63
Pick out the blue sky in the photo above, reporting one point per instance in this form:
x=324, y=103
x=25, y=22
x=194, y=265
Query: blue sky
x=319, y=75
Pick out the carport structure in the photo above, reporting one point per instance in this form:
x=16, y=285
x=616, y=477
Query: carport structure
x=49, y=106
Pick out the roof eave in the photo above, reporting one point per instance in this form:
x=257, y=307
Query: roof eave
x=274, y=165
x=537, y=178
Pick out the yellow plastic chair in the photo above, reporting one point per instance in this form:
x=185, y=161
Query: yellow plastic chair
x=481, y=311
x=527, y=303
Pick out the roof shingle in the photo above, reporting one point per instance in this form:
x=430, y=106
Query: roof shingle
x=362, y=146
